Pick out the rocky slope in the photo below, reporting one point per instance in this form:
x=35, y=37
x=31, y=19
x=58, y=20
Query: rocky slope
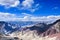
x=40, y=31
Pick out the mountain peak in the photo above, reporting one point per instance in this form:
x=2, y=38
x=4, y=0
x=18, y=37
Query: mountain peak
x=57, y=21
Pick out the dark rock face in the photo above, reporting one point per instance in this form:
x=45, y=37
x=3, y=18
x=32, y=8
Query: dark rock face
x=43, y=29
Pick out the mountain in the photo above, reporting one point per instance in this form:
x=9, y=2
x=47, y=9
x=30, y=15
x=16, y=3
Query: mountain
x=46, y=29
x=40, y=28
x=11, y=26
x=7, y=28
x=53, y=28
x=40, y=31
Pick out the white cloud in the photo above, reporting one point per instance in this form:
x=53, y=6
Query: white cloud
x=27, y=3
x=46, y=18
x=42, y=18
x=51, y=18
x=27, y=17
x=9, y=3
x=34, y=8
x=6, y=14
x=26, y=14
x=7, y=17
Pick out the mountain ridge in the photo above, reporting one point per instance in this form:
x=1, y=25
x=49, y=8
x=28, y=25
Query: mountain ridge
x=44, y=28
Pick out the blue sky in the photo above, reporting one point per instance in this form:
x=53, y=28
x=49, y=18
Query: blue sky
x=29, y=9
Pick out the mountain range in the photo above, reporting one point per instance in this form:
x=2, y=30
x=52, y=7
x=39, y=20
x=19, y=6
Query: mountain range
x=39, y=31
